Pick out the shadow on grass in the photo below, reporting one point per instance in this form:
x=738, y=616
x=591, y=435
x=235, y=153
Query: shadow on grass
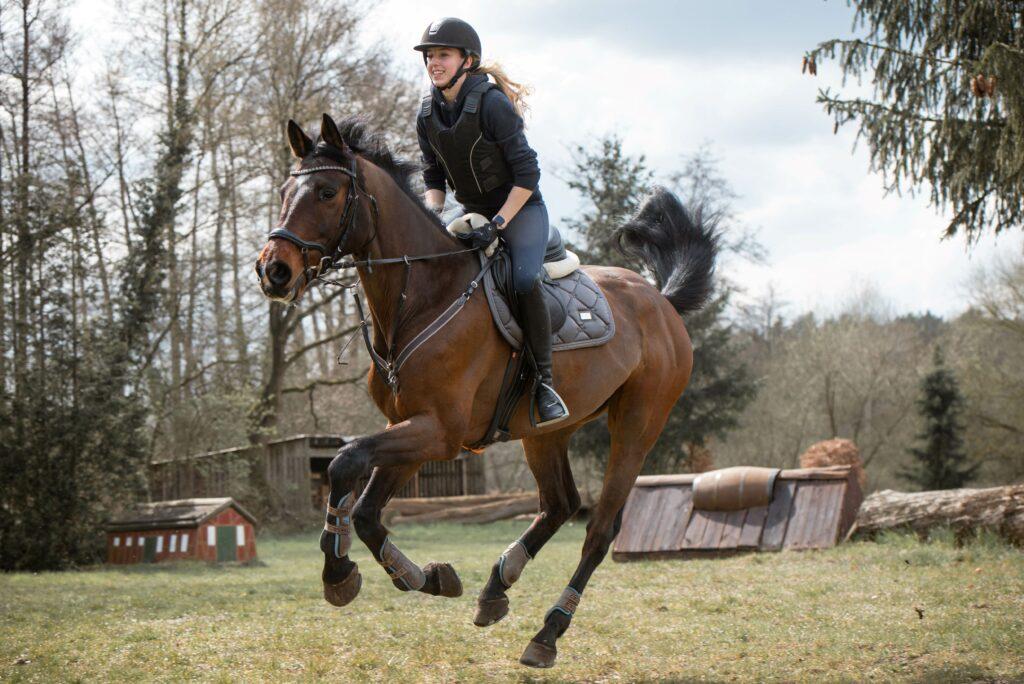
x=963, y=673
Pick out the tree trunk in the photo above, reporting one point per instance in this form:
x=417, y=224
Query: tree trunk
x=23, y=247
x=220, y=327
x=94, y=220
x=3, y=279
x=486, y=512
x=240, y=338
x=1000, y=509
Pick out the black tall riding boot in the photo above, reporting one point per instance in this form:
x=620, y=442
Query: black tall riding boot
x=533, y=315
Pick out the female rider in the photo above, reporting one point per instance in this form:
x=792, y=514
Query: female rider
x=471, y=135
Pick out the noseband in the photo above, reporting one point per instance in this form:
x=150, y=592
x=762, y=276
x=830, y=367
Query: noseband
x=329, y=259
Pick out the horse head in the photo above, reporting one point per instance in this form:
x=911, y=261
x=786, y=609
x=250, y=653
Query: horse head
x=321, y=219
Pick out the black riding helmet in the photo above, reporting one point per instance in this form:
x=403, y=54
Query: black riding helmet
x=453, y=33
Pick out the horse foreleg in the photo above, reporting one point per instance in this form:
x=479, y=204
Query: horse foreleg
x=412, y=441
x=437, y=579
x=547, y=457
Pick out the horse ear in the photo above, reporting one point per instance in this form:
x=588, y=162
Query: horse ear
x=297, y=140
x=329, y=132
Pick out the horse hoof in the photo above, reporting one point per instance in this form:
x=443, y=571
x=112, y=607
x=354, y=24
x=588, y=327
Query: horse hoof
x=489, y=611
x=343, y=592
x=538, y=655
x=448, y=582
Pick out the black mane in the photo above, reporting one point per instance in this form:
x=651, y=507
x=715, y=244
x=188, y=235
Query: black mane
x=372, y=146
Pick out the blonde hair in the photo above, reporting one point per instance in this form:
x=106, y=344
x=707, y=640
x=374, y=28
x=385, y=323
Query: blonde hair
x=516, y=92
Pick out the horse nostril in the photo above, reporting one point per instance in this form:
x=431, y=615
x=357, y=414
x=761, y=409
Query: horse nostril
x=278, y=273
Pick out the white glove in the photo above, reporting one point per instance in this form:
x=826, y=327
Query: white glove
x=468, y=223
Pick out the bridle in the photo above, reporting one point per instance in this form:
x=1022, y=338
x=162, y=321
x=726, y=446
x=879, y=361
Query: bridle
x=328, y=259
x=331, y=260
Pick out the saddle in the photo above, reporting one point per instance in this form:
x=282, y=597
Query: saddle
x=580, y=317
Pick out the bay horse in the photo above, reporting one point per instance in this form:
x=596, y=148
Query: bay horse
x=349, y=196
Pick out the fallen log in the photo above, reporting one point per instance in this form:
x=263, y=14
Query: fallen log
x=488, y=511
x=420, y=505
x=1000, y=509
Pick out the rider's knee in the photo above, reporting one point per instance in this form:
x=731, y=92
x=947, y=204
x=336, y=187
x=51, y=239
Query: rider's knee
x=524, y=282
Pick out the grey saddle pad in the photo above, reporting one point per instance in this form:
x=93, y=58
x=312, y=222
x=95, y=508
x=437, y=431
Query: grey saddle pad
x=580, y=315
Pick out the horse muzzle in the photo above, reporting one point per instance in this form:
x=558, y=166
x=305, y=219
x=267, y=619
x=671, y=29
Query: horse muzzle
x=276, y=281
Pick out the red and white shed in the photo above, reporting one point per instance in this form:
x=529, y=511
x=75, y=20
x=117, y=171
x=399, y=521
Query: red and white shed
x=214, y=530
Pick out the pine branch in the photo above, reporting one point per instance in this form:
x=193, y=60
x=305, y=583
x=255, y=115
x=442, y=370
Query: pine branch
x=860, y=105
x=851, y=44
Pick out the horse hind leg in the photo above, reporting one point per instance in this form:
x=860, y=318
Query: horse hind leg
x=635, y=420
x=436, y=579
x=547, y=457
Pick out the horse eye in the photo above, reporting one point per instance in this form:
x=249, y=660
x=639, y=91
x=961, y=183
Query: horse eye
x=327, y=193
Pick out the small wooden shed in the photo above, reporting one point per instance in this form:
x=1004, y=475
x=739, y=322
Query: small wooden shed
x=808, y=508
x=198, y=529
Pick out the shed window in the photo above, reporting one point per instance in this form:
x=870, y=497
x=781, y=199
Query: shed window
x=117, y=541
x=240, y=534
x=211, y=536
x=140, y=541
x=127, y=541
x=160, y=544
x=184, y=543
x=174, y=544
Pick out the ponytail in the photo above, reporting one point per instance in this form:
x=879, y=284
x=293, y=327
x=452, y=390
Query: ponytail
x=516, y=92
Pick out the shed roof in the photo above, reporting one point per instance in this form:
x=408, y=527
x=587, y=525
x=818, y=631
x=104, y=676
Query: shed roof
x=174, y=514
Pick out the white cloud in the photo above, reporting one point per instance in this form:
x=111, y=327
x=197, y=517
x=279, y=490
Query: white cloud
x=824, y=217
x=733, y=80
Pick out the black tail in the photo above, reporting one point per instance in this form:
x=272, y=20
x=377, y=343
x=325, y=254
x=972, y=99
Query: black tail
x=679, y=246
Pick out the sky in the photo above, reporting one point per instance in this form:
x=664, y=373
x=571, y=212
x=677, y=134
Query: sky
x=670, y=76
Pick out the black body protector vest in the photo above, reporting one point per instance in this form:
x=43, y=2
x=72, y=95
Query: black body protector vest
x=472, y=164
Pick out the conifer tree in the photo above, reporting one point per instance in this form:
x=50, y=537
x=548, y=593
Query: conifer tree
x=940, y=461
x=612, y=185
x=946, y=114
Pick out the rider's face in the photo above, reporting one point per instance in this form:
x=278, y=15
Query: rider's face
x=442, y=63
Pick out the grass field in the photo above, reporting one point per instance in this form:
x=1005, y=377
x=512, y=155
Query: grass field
x=846, y=614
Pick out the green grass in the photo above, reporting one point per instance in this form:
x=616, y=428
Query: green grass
x=843, y=614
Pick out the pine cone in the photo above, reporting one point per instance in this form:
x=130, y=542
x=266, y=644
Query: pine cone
x=976, y=87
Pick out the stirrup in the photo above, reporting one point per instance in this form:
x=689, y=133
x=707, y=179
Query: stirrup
x=561, y=402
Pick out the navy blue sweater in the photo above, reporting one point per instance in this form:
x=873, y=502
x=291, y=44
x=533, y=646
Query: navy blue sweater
x=499, y=123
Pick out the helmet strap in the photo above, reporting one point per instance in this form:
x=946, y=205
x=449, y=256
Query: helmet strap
x=458, y=74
